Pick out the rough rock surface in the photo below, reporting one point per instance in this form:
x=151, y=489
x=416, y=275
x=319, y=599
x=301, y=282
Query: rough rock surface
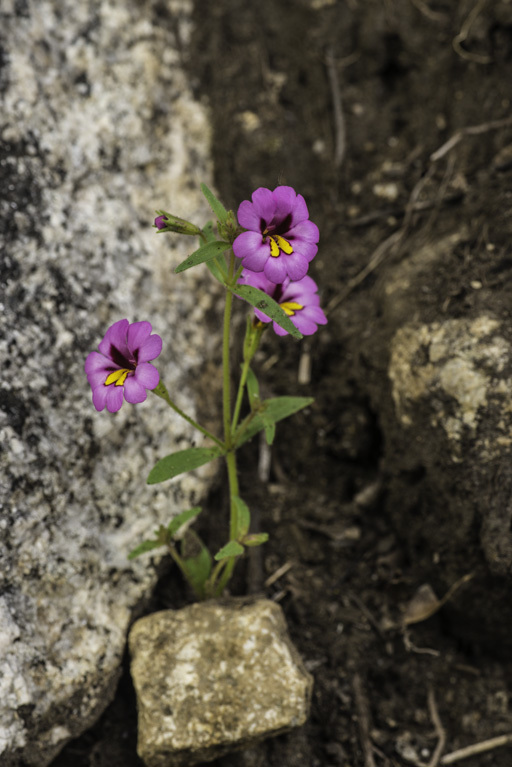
x=212, y=677
x=441, y=380
x=98, y=129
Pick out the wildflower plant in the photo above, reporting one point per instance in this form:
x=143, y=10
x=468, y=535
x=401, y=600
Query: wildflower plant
x=262, y=257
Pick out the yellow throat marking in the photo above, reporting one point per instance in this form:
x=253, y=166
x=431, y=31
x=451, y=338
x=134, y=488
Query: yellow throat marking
x=290, y=307
x=118, y=377
x=278, y=244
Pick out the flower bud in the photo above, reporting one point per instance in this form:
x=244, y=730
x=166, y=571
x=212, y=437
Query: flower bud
x=166, y=222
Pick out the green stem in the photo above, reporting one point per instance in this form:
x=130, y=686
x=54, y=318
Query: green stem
x=179, y=561
x=226, y=392
x=162, y=392
x=226, y=575
x=233, y=491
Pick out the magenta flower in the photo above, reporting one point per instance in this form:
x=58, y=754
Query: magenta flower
x=280, y=239
x=122, y=365
x=160, y=222
x=299, y=300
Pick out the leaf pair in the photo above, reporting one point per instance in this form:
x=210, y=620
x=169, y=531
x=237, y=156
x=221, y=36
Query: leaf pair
x=243, y=538
x=164, y=535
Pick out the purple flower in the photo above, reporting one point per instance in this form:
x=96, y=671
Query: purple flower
x=122, y=365
x=299, y=300
x=280, y=240
x=160, y=222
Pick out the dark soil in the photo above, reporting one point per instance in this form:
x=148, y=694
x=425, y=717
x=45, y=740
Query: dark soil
x=346, y=102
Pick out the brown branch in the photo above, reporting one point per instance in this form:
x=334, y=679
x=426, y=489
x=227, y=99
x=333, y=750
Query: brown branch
x=472, y=130
x=440, y=732
x=339, y=120
x=477, y=748
x=363, y=720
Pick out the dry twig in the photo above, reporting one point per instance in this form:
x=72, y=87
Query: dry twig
x=441, y=734
x=363, y=720
x=472, y=130
x=428, y=12
x=463, y=34
x=477, y=748
x=339, y=120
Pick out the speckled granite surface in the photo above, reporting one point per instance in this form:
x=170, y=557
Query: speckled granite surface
x=98, y=128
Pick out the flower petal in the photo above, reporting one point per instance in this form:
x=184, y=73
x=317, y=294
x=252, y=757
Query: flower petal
x=147, y=375
x=264, y=205
x=285, y=198
x=134, y=391
x=306, y=249
x=300, y=211
x=248, y=217
x=275, y=269
x=248, y=243
x=304, y=230
x=97, y=362
x=115, y=336
x=114, y=398
x=315, y=314
x=279, y=330
x=306, y=326
x=99, y=397
x=150, y=349
x=138, y=333
x=296, y=266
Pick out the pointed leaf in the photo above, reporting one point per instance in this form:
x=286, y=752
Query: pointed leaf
x=231, y=549
x=184, y=460
x=180, y=520
x=215, y=204
x=143, y=547
x=268, y=306
x=243, y=516
x=274, y=410
x=196, y=561
x=270, y=430
x=205, y=253
x=253, y=389
x=255, y=539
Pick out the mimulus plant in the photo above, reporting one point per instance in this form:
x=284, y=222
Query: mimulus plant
x=261, y=256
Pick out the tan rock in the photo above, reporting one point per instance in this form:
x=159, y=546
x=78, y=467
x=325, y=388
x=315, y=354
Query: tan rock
x=214, y=677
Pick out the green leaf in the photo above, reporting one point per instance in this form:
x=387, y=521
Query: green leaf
x=253, y=389
x=184, y=460
x=231, y=549
x=205, y=253
x=268, y=306
x=270, y=430
x=215, y=204
x=220, y=261
x=208, y=232
x=255, y=539
x=196, y=561
x=143, y=547
x=274, y=410
x=243, y=516
x=180, y=520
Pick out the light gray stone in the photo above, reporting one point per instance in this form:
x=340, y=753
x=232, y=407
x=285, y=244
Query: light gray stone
x=98, y=128
x=458, y=370
x=213, y=677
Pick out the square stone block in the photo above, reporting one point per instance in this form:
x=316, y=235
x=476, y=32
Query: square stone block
x=213, y=677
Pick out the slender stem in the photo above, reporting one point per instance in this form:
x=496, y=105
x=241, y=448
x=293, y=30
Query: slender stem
x=226, y=575
x=179, y=561
x=253, y=336
x=226, y=394
x=162, y=392
x=240, y=395
x=233, y=491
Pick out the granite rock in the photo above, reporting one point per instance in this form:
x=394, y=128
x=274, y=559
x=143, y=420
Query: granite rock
x=213, y=677
x=98, y=128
